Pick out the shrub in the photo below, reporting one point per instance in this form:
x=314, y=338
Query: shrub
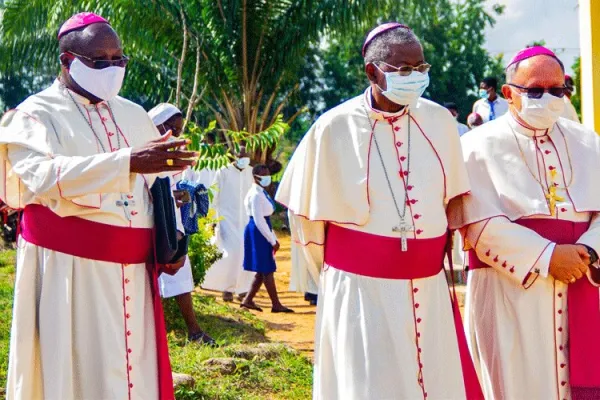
x=201, y=251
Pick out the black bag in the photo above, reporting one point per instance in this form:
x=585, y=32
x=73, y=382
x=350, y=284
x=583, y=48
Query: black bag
x=168, y=248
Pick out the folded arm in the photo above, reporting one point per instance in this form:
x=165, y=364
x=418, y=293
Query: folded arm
x=514, y=250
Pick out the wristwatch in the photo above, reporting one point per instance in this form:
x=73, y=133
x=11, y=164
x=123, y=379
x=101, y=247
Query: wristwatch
x=593, y=255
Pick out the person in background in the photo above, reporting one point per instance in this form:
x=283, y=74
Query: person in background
x=474, y=120
x=304, y=276
x=490, y=106
x=462, y=128
x=231, y=185
x=570, y=112
x=260, y=242
x=167, y=117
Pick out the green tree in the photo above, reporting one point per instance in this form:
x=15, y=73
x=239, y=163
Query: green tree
x=452, y=34
x=239, y=59
x=576, y=97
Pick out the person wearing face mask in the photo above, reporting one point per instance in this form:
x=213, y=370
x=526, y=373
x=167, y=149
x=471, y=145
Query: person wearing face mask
x=490, y=106
x=532, y=225
x=167, y=118
x=79, y=161
x=260, y=242
x=231, y=185
x=367, y=190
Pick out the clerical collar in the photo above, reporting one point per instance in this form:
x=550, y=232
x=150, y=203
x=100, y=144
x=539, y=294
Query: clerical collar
x=380, y=115
x=522, y=129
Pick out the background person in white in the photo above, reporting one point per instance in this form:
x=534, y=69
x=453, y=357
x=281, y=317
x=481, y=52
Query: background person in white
x=260, y=242
x=167, y=117
x=490, y=106
x=84, y=328
x=231, y=185
x=385, y=328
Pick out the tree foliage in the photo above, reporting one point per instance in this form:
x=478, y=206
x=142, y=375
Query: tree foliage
x=452, y=34
x=576, y=97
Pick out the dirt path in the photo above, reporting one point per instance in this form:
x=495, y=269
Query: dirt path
x=297, y=329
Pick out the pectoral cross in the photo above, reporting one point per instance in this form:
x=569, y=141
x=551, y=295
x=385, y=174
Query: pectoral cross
x=552, y=198
x=125, y=202
x=404, y=229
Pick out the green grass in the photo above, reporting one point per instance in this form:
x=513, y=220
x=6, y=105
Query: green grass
x=7, y=274
x=283, y=375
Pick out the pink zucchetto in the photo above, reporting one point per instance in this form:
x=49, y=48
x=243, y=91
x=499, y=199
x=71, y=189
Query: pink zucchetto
x=378, y=31
x=531, y=52
x=80, y=20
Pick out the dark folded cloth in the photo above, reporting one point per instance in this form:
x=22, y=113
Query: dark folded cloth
x=168, y=248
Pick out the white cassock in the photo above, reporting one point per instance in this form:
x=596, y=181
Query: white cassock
x=304, y=277
x=183, y=281
x=81, y=329
x=570, y=112
x=517, y=318
x=380, y=338
x=227, y=274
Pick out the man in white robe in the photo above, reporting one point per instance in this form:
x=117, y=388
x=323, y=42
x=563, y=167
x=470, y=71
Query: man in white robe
x=231, y=185
x=87, y=320
x=532, y=226
x=367, y=188
x=167, y=118
x=304, y=276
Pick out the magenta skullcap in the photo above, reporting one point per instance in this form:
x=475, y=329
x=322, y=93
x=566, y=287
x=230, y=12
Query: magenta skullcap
x=529, y=52
x=80, y=20
x=378, y=31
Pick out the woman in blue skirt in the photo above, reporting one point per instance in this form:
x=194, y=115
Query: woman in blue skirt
x=260, y=242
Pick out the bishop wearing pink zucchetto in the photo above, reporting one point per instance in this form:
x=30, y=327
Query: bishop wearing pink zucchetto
x=532, y=226
x=78, y=160
x=367, y=191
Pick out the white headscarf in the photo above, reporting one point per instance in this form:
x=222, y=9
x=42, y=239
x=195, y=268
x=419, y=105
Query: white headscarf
x=162, y=112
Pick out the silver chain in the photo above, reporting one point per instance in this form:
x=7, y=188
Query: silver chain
x=90, y=124
x=402, y=214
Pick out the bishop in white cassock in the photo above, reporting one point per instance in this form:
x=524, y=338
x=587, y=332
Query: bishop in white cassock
x=87, y=320
x=367, y=188
x=532, y=312
x=231, y=185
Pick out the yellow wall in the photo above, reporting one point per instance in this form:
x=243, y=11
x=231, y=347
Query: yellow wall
x=589, y=20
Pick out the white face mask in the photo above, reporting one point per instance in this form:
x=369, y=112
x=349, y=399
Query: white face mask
x=243, y=162
x=541, y=113
x=264, y=181
x=405, y=90
x=103, y=83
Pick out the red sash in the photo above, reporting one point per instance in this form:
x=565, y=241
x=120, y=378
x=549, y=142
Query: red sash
x=382, y=257
x=102, y=242
x=583, y=302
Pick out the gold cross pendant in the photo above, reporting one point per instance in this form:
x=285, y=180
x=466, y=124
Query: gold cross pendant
x=552, y=198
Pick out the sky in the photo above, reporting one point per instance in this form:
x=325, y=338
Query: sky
x=525, y=21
